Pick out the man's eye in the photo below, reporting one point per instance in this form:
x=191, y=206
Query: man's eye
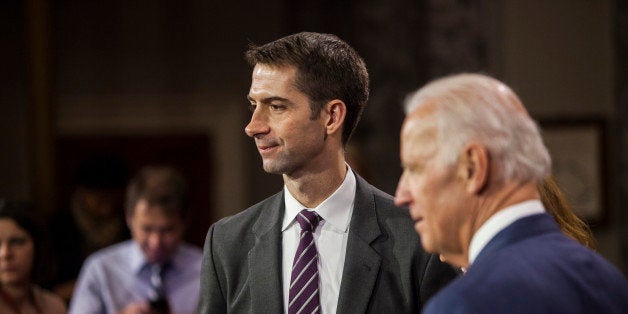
x=276, y=107
x=251, y=107
x=413, y=169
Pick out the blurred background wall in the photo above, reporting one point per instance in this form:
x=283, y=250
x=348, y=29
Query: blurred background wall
x=165, y=81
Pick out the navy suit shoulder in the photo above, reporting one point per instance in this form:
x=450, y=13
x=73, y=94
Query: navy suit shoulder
x=532, y=267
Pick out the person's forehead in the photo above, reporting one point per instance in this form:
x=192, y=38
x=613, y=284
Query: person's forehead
x=145, y=210
x=418, y=136
x=420, y=125
x=268, y=81
x=11, y=228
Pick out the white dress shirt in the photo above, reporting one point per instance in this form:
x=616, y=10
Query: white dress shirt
x=499, y=221
x=330, y=238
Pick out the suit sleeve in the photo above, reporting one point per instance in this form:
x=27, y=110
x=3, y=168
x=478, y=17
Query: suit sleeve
x=212, y=299
x=436, y=275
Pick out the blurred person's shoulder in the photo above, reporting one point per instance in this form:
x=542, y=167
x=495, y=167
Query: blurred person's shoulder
x=118, y=254
x=49, y=302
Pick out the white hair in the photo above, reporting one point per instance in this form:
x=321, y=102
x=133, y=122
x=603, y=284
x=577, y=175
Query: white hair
x=477, y=108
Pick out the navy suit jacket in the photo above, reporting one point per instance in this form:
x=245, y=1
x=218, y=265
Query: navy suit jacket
x=385, y=271
x=532, y=267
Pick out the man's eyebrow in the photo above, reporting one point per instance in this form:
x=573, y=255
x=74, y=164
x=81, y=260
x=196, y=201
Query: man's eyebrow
x=268, y=99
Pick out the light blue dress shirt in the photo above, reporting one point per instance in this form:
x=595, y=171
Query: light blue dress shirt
x=116, y=276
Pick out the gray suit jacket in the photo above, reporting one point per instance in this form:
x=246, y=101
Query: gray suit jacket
x=385, y=268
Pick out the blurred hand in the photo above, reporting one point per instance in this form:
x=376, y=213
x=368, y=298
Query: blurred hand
x=140, y=307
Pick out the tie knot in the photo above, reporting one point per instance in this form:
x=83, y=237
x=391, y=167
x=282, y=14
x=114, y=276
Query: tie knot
x=308, y=220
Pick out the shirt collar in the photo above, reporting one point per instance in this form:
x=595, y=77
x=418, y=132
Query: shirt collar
x=138, y=261
x=499, y=221
x=335, y=210
x=136, y=257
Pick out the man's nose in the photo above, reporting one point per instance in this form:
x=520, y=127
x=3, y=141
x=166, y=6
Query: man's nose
x=155, y=239
x=5, y=251
x=258, y=123
x=401, y=194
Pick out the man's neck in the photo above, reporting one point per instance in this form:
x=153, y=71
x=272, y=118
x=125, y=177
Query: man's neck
x=313, y=187
x=509, y=194
x=484, y=207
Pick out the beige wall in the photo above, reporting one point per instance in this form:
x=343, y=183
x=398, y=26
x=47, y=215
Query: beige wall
x=558, y=55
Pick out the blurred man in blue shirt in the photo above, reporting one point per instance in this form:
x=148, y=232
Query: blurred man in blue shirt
x=155, y=272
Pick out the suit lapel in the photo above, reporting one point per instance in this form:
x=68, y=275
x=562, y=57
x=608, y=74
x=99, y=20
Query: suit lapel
x=265, y=259
x=361, y=261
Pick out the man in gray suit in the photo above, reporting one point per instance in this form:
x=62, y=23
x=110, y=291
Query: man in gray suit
x=329, y=241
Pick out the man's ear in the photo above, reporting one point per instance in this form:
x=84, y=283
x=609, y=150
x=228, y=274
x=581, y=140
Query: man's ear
x=336, y=112
x=475, y=167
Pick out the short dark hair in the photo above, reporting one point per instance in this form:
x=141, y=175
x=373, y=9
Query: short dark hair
x=161, y=186
x=25, y=216
x=328, y=68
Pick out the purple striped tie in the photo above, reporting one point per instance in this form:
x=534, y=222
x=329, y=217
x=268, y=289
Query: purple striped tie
x=304, y=295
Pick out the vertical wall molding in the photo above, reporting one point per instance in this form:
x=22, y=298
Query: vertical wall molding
x=41, y=111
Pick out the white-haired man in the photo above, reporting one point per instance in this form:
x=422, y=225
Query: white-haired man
x=471, y=158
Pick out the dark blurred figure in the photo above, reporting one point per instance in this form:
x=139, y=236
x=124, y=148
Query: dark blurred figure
x=24, y=262
x=94, y=220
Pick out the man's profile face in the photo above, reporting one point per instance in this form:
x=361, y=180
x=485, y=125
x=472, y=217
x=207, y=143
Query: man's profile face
x=157, y=234
x=431, y=190
x=287, y=139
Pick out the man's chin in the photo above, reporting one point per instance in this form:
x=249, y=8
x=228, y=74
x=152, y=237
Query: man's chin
x=274, y=168
x=156, y=258
x=428, y=246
